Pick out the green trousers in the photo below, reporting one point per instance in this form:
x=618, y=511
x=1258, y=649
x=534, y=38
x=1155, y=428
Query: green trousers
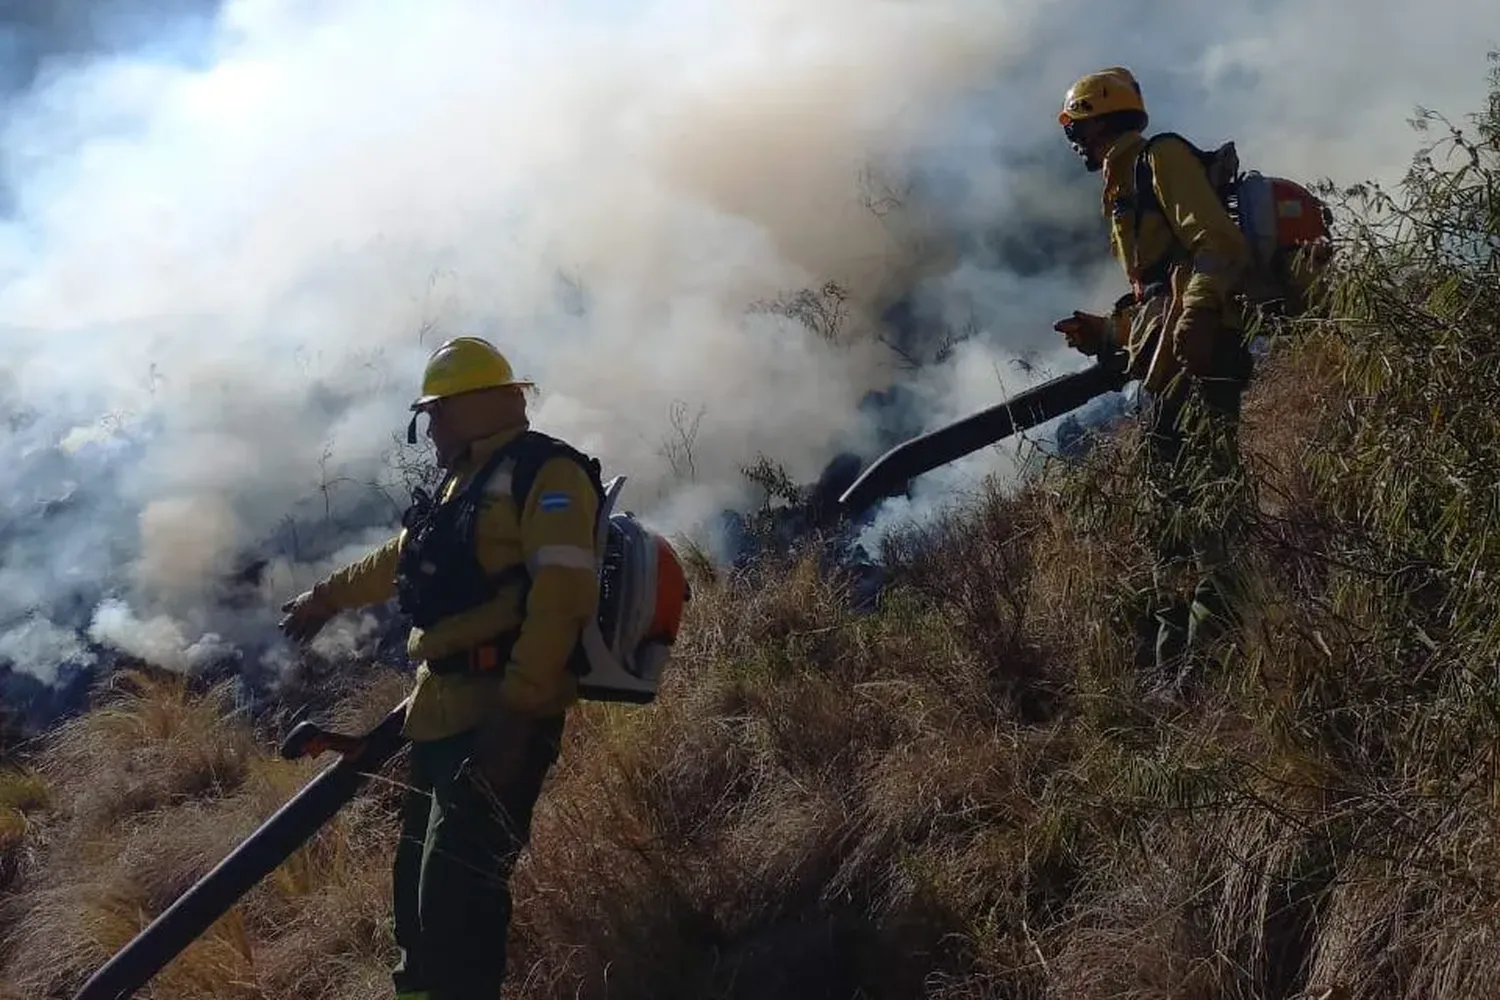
x=451, y=877
x=1195, y=480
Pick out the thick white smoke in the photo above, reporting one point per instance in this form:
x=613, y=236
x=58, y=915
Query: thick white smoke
x=221, y=277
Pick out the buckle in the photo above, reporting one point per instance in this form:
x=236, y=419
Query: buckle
x=481, y=658
x=485, y=657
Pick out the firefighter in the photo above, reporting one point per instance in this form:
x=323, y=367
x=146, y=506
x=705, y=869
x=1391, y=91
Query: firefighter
x=1183, y=330
x=495, y=615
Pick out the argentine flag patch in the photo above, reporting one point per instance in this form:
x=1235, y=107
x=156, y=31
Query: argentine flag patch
x=554, y=501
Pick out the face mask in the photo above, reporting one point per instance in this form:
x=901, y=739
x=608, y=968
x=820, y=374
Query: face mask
x=1073, y=132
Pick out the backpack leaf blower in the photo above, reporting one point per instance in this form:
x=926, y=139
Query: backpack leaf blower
x=892, y=472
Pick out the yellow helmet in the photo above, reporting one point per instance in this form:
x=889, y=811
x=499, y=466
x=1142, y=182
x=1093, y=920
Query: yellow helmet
x=464, y=364
x=1102, y=93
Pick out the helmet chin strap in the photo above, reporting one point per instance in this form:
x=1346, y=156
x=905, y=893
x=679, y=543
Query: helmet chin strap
x=411, y=429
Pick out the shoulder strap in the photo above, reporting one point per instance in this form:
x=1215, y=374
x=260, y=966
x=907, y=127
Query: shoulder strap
x=1145, y=185
x=533, y=450
x=474, y=488
x=1144, y=198
x=471, y=497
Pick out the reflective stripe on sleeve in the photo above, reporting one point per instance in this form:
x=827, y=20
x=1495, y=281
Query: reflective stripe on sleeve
x=566, y=556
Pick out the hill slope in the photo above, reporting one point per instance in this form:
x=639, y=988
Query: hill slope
x=964, y=793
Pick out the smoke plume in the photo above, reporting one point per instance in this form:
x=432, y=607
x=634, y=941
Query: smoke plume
x=235, y=233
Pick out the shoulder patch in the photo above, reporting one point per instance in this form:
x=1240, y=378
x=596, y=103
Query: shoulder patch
x=554, y=500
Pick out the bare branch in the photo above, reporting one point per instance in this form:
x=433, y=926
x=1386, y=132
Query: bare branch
x=824, y=310
x=678, y=450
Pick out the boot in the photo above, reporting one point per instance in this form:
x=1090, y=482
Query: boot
x=1170, y=652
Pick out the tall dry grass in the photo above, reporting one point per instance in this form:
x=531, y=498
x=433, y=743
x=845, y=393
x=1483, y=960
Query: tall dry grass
x=148, y=792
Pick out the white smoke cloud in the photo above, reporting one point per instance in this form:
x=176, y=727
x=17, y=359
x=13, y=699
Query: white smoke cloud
x=222, y=277
x=38, y=647
x=158, y=640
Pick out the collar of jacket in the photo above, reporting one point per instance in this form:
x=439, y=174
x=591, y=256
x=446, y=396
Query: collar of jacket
x=479, y=450
x=1118, y=160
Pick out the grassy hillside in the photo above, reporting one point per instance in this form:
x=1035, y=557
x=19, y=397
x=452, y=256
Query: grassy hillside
x=964, y=794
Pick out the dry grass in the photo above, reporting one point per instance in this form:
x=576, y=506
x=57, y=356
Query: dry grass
x=24, y=800
x=963, y=794
x=154, y=788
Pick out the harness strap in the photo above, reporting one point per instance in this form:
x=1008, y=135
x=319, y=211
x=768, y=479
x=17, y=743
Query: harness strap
x=530, y=449
x=487, y=657
x=1142, y=200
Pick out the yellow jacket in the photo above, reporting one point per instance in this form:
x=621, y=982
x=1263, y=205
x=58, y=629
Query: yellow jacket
x=1192, y=221
x=557, y=543
x=1208, y=252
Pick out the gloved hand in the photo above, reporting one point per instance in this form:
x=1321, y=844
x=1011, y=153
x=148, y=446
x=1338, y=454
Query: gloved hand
x=306, y=616
x=1086, y=333
x=1193, y=340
